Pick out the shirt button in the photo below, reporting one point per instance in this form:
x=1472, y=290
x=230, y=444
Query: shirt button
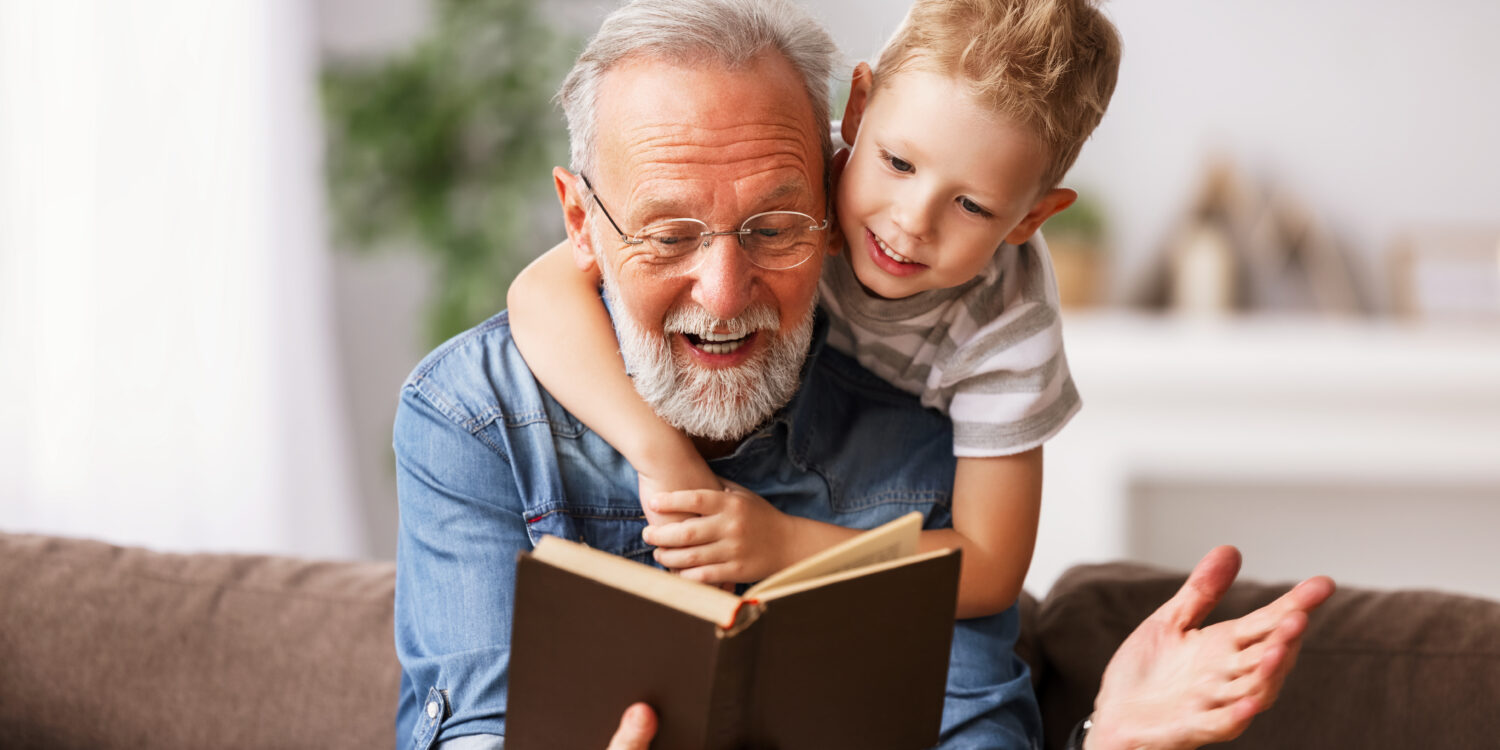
x=432, y=710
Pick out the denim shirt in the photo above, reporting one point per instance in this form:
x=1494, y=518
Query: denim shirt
x=487, y=463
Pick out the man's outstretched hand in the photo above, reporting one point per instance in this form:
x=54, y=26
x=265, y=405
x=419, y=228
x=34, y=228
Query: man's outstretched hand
x=1172, y=685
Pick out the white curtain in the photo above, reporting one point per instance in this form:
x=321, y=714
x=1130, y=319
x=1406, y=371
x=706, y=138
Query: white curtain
x=167, y=368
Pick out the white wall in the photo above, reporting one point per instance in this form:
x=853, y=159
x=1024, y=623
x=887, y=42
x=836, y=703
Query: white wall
x=164, y=316
x=1377, y=114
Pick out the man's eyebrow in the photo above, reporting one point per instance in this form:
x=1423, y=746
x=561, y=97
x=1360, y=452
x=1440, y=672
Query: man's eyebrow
x=653, y=208
x=785, y=190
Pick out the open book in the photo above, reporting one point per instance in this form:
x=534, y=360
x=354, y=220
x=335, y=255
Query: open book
x=847, y=648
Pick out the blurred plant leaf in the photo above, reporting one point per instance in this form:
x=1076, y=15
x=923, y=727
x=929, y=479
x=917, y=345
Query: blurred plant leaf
x=448, y=146
x=1085, y=221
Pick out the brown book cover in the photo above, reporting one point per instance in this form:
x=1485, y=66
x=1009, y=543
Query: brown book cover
x=846, y=649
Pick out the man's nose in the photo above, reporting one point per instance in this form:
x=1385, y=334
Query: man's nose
x=723, y=280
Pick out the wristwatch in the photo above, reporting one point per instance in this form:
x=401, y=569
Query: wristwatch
x=1075, y=739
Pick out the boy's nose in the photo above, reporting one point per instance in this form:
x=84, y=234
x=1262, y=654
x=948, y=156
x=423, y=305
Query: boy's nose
x=914, y=216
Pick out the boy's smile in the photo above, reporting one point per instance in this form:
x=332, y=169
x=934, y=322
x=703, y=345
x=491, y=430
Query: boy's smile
x=935, y=183
x=887, y=259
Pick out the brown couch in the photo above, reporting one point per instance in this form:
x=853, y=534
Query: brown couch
x=110, y=647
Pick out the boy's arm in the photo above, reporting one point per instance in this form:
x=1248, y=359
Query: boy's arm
x=736, y=536
x=566, y=337
x=996, y=505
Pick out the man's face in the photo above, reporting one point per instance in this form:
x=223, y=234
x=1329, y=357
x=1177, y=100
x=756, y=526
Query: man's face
x=716, y=145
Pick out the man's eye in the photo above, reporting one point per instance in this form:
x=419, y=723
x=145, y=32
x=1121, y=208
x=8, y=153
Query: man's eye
x=972, y=207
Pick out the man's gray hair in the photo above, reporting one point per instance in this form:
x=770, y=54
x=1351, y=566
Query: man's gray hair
x=728, y=32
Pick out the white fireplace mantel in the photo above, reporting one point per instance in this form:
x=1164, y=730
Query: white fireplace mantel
x=1366, y=450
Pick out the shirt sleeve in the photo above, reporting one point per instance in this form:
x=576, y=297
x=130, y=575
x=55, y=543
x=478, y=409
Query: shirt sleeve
x=1006, y=384
x=990, y=703
x=460, y=529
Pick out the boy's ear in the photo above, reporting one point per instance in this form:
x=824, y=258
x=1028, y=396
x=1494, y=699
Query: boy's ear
x=835, y=228
x=859, y=96
x=575, y=217
x=1045, y=208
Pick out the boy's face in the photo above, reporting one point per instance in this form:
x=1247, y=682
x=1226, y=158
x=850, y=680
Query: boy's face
x=935, y=183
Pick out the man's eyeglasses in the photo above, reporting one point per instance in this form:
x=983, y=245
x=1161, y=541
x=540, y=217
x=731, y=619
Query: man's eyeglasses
x=774, y=240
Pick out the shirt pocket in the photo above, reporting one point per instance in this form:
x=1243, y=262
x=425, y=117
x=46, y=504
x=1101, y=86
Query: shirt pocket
x=612, y=526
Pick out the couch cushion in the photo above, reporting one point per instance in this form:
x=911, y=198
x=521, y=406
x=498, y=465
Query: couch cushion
x=110, y=647
x=1378, y=669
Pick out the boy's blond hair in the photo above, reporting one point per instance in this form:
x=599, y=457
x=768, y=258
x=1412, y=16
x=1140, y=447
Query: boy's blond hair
x=1049, y=65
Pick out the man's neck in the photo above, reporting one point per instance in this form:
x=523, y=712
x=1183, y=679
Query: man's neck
x=711, y=449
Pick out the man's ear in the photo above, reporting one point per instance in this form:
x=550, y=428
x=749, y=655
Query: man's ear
x=575, y=217
x=1045, y=208
x=859, y=97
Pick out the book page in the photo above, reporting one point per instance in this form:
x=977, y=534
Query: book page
x=788, y=588
x=697, y=599
x=890, y=541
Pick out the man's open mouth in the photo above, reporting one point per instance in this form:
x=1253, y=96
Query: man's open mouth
x=719, y=343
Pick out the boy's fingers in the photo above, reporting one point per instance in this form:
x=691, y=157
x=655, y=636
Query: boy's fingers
x=712, y=574
x=734, y=487
x=693, y=531
x=683, y=558
x=699, y=502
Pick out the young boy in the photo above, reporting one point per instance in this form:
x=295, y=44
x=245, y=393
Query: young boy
x=959, y=137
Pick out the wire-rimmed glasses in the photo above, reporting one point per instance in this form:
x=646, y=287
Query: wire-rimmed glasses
x=773, y=240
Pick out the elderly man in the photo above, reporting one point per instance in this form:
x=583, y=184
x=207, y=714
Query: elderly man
x=715, y=110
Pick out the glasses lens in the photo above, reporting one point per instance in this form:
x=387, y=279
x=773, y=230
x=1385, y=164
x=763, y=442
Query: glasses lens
x=780, y=239
x=673, y=240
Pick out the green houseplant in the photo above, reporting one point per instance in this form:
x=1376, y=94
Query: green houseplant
x=447, y=147
x=1075, y=238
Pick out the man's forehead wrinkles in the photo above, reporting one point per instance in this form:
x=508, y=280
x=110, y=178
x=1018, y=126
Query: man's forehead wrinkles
x=689, y=156
x=740, y=136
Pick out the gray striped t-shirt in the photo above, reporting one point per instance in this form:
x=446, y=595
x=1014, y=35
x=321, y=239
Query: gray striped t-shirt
x=988, y=353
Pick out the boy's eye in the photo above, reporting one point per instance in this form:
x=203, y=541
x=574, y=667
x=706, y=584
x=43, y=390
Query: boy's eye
x=972, y=207
x=897, y=163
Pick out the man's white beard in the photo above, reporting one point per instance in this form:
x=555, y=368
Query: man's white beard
x=717, y=404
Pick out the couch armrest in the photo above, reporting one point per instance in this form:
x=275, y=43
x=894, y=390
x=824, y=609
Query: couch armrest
x=112, y=647
x=1378, y=669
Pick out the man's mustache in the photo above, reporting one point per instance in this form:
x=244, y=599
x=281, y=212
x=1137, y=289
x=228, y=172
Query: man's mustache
x=694, y=320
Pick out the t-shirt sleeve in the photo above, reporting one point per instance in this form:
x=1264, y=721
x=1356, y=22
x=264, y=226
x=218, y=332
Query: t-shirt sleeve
x=1006, y=383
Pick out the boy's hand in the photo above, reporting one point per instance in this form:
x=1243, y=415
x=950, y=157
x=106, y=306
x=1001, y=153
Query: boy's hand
x=688, y=476
x=731, y=536
x=649, y=489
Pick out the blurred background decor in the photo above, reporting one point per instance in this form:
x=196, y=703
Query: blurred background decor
x=193, y=361
x=1075, y=239
x=1447, y=273
x=447, y=147
x=1252, y=248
